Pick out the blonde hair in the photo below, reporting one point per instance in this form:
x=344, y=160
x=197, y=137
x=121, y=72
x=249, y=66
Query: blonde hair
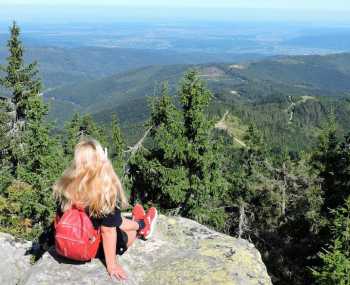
x=90, y=181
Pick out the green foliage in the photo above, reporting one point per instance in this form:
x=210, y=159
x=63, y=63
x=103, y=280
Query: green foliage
x=335, y=267
x=157, y=174
x=331, y=159
x=5, y=120
x=5, y=140
x=20, y=212
x=275, y=202
x=202, y=160
x=30, y=153
x=20, y=79
x=119, y=146
x=79, y=127
x=326, y=160
x=182, y=169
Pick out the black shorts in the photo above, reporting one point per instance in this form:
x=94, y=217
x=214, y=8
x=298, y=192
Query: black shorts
x=122, y=242
x=121, y=246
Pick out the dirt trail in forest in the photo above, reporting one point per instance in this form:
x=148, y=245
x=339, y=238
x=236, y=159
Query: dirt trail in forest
x=222, y=125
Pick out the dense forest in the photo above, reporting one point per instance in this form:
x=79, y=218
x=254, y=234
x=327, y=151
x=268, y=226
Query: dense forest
x=288, y=98
x=293, y=205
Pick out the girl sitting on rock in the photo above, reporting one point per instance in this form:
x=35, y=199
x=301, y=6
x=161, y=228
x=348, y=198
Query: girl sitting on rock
x=92, y=183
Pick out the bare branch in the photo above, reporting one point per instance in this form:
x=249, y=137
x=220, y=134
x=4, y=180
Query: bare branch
x=133, y=149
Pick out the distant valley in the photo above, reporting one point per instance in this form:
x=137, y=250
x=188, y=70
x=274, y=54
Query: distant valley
x=61, y=65
x=289, y=96
x=255, y=72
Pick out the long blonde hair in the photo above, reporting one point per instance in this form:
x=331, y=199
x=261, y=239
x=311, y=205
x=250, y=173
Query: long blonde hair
x=90, y=181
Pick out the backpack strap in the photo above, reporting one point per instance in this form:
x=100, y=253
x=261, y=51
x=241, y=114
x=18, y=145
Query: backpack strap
x=78, y=206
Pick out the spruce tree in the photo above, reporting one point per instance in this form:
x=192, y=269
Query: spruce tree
x=274, y=202
x=118, y=146
x=202, y=162
x=157, y=174
x=31, y=141
x=182, y=169
x=342, y=193
x=21, y=80
x=71, y=134
x=331, y=160
x=335, y=268
x=327, y=160
x=82, y=126
x=34, y=156
x=5, y=142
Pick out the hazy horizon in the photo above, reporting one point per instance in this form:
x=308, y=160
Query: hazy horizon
x=256, y=27
x=93, y=13
x=279, y=4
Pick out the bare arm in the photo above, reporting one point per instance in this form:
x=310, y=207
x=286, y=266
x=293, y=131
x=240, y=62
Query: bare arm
x=109, y=241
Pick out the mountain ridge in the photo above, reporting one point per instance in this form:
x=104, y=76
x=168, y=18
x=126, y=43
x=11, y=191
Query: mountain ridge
x=255, y=92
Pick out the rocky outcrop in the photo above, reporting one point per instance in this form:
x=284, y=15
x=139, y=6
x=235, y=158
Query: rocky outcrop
x=181, y=252
x=14, y=259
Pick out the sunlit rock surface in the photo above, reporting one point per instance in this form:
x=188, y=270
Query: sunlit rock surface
x=181, y=252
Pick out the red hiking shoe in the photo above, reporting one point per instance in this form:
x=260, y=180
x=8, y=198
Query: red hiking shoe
x=138, y=213
x=150, y=223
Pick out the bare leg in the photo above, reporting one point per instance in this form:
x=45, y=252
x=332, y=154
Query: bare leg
x=132, y=236
x=129, y=225
x=130, y=228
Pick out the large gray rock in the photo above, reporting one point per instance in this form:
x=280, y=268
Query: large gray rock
x=14, y=259
x=181, y=252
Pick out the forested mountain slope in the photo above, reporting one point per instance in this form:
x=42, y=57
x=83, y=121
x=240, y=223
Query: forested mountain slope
x=287, y=97
x=60, y=66
x=330, y=72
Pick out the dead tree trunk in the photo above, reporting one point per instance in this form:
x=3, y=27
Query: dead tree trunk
x=284, y=187
x=242, y=220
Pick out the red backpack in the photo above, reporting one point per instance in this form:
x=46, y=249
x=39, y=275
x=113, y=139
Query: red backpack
x=75, y=236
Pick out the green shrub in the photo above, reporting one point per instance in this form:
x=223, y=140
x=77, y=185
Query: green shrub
x=21, y=211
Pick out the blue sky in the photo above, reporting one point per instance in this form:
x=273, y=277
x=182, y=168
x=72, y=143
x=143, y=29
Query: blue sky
x=277, y=4
x=58, y=11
